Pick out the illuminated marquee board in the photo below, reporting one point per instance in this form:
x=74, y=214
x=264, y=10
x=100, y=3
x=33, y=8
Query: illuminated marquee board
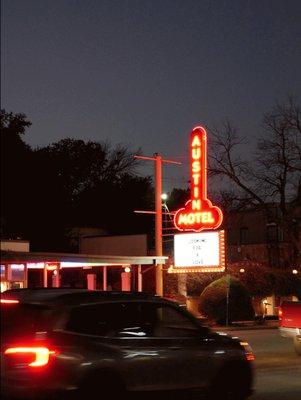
x=198, y=213
x=199, y=252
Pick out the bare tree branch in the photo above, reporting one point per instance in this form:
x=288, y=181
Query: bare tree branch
x=274, y=171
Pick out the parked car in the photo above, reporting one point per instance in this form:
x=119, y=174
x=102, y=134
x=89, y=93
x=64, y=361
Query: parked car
x=89, y=343
x=290, y=322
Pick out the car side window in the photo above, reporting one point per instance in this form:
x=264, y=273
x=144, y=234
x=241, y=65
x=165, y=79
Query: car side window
x=120, y=319
x=171, y=322
x=156, y=320
x=131, y=320
x=91, y=320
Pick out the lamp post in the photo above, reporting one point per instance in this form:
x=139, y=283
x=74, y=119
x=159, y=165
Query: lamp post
x=164, y=197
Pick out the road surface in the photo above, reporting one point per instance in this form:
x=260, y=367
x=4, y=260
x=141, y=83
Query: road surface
x=277, y=367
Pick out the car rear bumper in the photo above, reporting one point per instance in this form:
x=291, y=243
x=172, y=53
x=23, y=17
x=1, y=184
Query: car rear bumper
x=35, y=388
x=26, y=393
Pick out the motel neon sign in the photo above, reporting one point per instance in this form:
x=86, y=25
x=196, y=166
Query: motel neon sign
x=198, y=213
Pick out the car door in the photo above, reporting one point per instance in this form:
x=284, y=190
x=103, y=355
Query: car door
x=190, y=348
x=163, y=348
x=151, y=345
x=145, y=358
x=116, y=337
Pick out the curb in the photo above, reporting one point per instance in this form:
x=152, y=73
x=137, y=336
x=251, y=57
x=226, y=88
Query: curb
x=245, y=327
x=241, y=328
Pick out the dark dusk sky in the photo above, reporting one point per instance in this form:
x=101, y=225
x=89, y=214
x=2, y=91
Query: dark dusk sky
x=145, y=72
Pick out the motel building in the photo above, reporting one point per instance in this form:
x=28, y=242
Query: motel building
x=21, y=268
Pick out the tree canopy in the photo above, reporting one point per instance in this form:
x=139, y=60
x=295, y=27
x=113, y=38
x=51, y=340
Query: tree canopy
x=15, y=172
x=226, y=300
x=71, y=183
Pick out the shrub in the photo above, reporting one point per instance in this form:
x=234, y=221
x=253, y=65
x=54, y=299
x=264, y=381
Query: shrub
x=213, y=301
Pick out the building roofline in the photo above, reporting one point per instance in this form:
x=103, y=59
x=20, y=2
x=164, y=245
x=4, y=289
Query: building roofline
x=25, y=257
x=112, y=236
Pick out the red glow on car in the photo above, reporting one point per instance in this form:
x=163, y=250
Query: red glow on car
x=198, y=213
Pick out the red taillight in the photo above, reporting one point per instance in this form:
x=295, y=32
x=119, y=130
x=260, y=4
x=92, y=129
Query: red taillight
x=41, y=355
x=9, y=301
x=250, y=357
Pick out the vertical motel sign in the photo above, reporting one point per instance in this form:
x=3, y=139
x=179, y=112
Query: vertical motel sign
x=199, y=251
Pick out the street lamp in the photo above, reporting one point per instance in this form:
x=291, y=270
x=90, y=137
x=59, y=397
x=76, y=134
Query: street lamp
x=164, y=196
x=295, y=271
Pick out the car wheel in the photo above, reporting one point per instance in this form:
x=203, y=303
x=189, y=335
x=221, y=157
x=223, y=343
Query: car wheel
x=100, y=384
x=232, y=383
x=227, y=393
x=297, y=344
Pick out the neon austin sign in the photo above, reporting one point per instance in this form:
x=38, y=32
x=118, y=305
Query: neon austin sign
x=198, y=213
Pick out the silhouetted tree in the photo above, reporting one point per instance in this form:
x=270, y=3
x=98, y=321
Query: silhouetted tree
x=15, y=174
x=87, y=184
x=71, y=183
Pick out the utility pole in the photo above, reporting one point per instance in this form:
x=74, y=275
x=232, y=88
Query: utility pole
x=158, y=222
x=158, y=213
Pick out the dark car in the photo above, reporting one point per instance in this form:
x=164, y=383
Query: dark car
x=90, y=343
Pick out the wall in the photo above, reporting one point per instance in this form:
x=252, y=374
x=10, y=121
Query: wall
x=14, y=245
x=124, y=245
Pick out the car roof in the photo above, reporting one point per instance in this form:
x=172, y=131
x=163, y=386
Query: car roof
x=68, y=296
